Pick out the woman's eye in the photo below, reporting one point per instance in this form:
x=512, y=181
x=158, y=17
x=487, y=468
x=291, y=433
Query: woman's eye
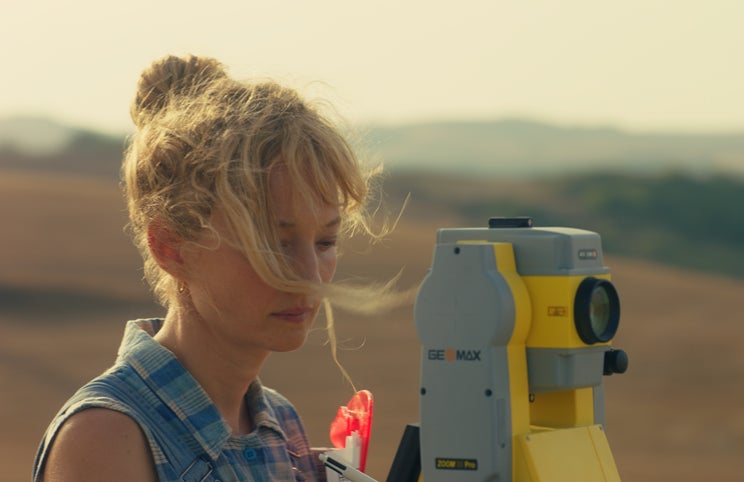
x=322, y=245
x=327, y=244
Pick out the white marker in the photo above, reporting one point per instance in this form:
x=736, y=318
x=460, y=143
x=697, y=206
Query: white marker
x=349, y=472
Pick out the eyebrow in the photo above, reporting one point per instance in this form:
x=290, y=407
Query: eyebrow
x=283, y=224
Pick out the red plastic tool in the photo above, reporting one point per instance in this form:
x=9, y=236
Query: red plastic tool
x=356, y=416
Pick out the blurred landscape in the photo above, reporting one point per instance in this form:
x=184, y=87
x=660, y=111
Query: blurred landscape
x=668, y=207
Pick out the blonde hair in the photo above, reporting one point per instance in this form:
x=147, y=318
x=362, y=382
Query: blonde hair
x=205, y=142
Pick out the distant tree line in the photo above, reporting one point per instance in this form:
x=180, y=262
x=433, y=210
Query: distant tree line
x=677, y=219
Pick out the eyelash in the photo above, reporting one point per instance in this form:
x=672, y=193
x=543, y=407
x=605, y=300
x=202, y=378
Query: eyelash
x=324, y=245
x=329, y=244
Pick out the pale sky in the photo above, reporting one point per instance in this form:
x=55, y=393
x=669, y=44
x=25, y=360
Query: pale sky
x=636, y=64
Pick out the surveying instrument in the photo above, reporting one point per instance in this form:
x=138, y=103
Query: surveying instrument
x=516, y=324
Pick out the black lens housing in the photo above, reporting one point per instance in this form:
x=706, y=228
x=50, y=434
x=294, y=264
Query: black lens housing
x=591, y=329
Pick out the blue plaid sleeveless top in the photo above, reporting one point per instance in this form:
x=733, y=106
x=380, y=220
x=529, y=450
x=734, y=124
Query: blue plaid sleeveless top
x=189, y=440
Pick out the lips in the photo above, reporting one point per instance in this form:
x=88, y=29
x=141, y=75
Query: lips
x=298, y=313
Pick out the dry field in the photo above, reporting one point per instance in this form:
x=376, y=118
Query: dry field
x=69, y=278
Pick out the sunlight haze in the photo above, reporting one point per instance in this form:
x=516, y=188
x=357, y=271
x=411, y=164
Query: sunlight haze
x=639, y=64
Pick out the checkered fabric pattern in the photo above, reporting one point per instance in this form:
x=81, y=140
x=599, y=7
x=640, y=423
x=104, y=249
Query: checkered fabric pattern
x=189, y=440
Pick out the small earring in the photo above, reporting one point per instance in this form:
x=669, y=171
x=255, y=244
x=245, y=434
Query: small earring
x=181, y=288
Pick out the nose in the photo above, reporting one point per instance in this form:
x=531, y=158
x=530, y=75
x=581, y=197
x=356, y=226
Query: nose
x=307, y=264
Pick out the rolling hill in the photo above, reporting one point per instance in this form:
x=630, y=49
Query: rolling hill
x=532, y=149
x=655, y=196
x=69, y=278
x=512, y=148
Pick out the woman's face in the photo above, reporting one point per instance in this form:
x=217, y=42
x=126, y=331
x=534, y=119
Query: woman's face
x=235, y=304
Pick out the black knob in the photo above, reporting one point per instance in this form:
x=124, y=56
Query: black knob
x=516, y=222
x=615, y=361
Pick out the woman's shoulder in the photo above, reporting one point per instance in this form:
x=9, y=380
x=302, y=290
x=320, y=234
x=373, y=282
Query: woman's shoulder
x=96, y=435
x=78, y=453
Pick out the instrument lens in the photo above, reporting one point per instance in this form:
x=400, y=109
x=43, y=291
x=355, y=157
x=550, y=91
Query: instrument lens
x=596, y=310
x=599, y=310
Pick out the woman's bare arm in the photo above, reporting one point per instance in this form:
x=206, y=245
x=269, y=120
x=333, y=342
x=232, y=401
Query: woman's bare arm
x=100, y=444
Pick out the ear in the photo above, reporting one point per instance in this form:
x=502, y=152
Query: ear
x=165, y=247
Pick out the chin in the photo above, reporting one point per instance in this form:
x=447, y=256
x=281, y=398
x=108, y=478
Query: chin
x=289, y=344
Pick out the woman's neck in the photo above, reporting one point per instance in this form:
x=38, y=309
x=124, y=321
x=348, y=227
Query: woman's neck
x=223, y=369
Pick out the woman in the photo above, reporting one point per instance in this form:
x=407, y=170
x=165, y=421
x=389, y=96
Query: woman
x=237, y=195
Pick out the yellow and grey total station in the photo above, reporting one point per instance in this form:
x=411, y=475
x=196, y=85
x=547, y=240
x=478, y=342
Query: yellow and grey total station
x=516, y=324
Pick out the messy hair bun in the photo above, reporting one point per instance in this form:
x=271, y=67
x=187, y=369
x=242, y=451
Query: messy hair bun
x=171, y=78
